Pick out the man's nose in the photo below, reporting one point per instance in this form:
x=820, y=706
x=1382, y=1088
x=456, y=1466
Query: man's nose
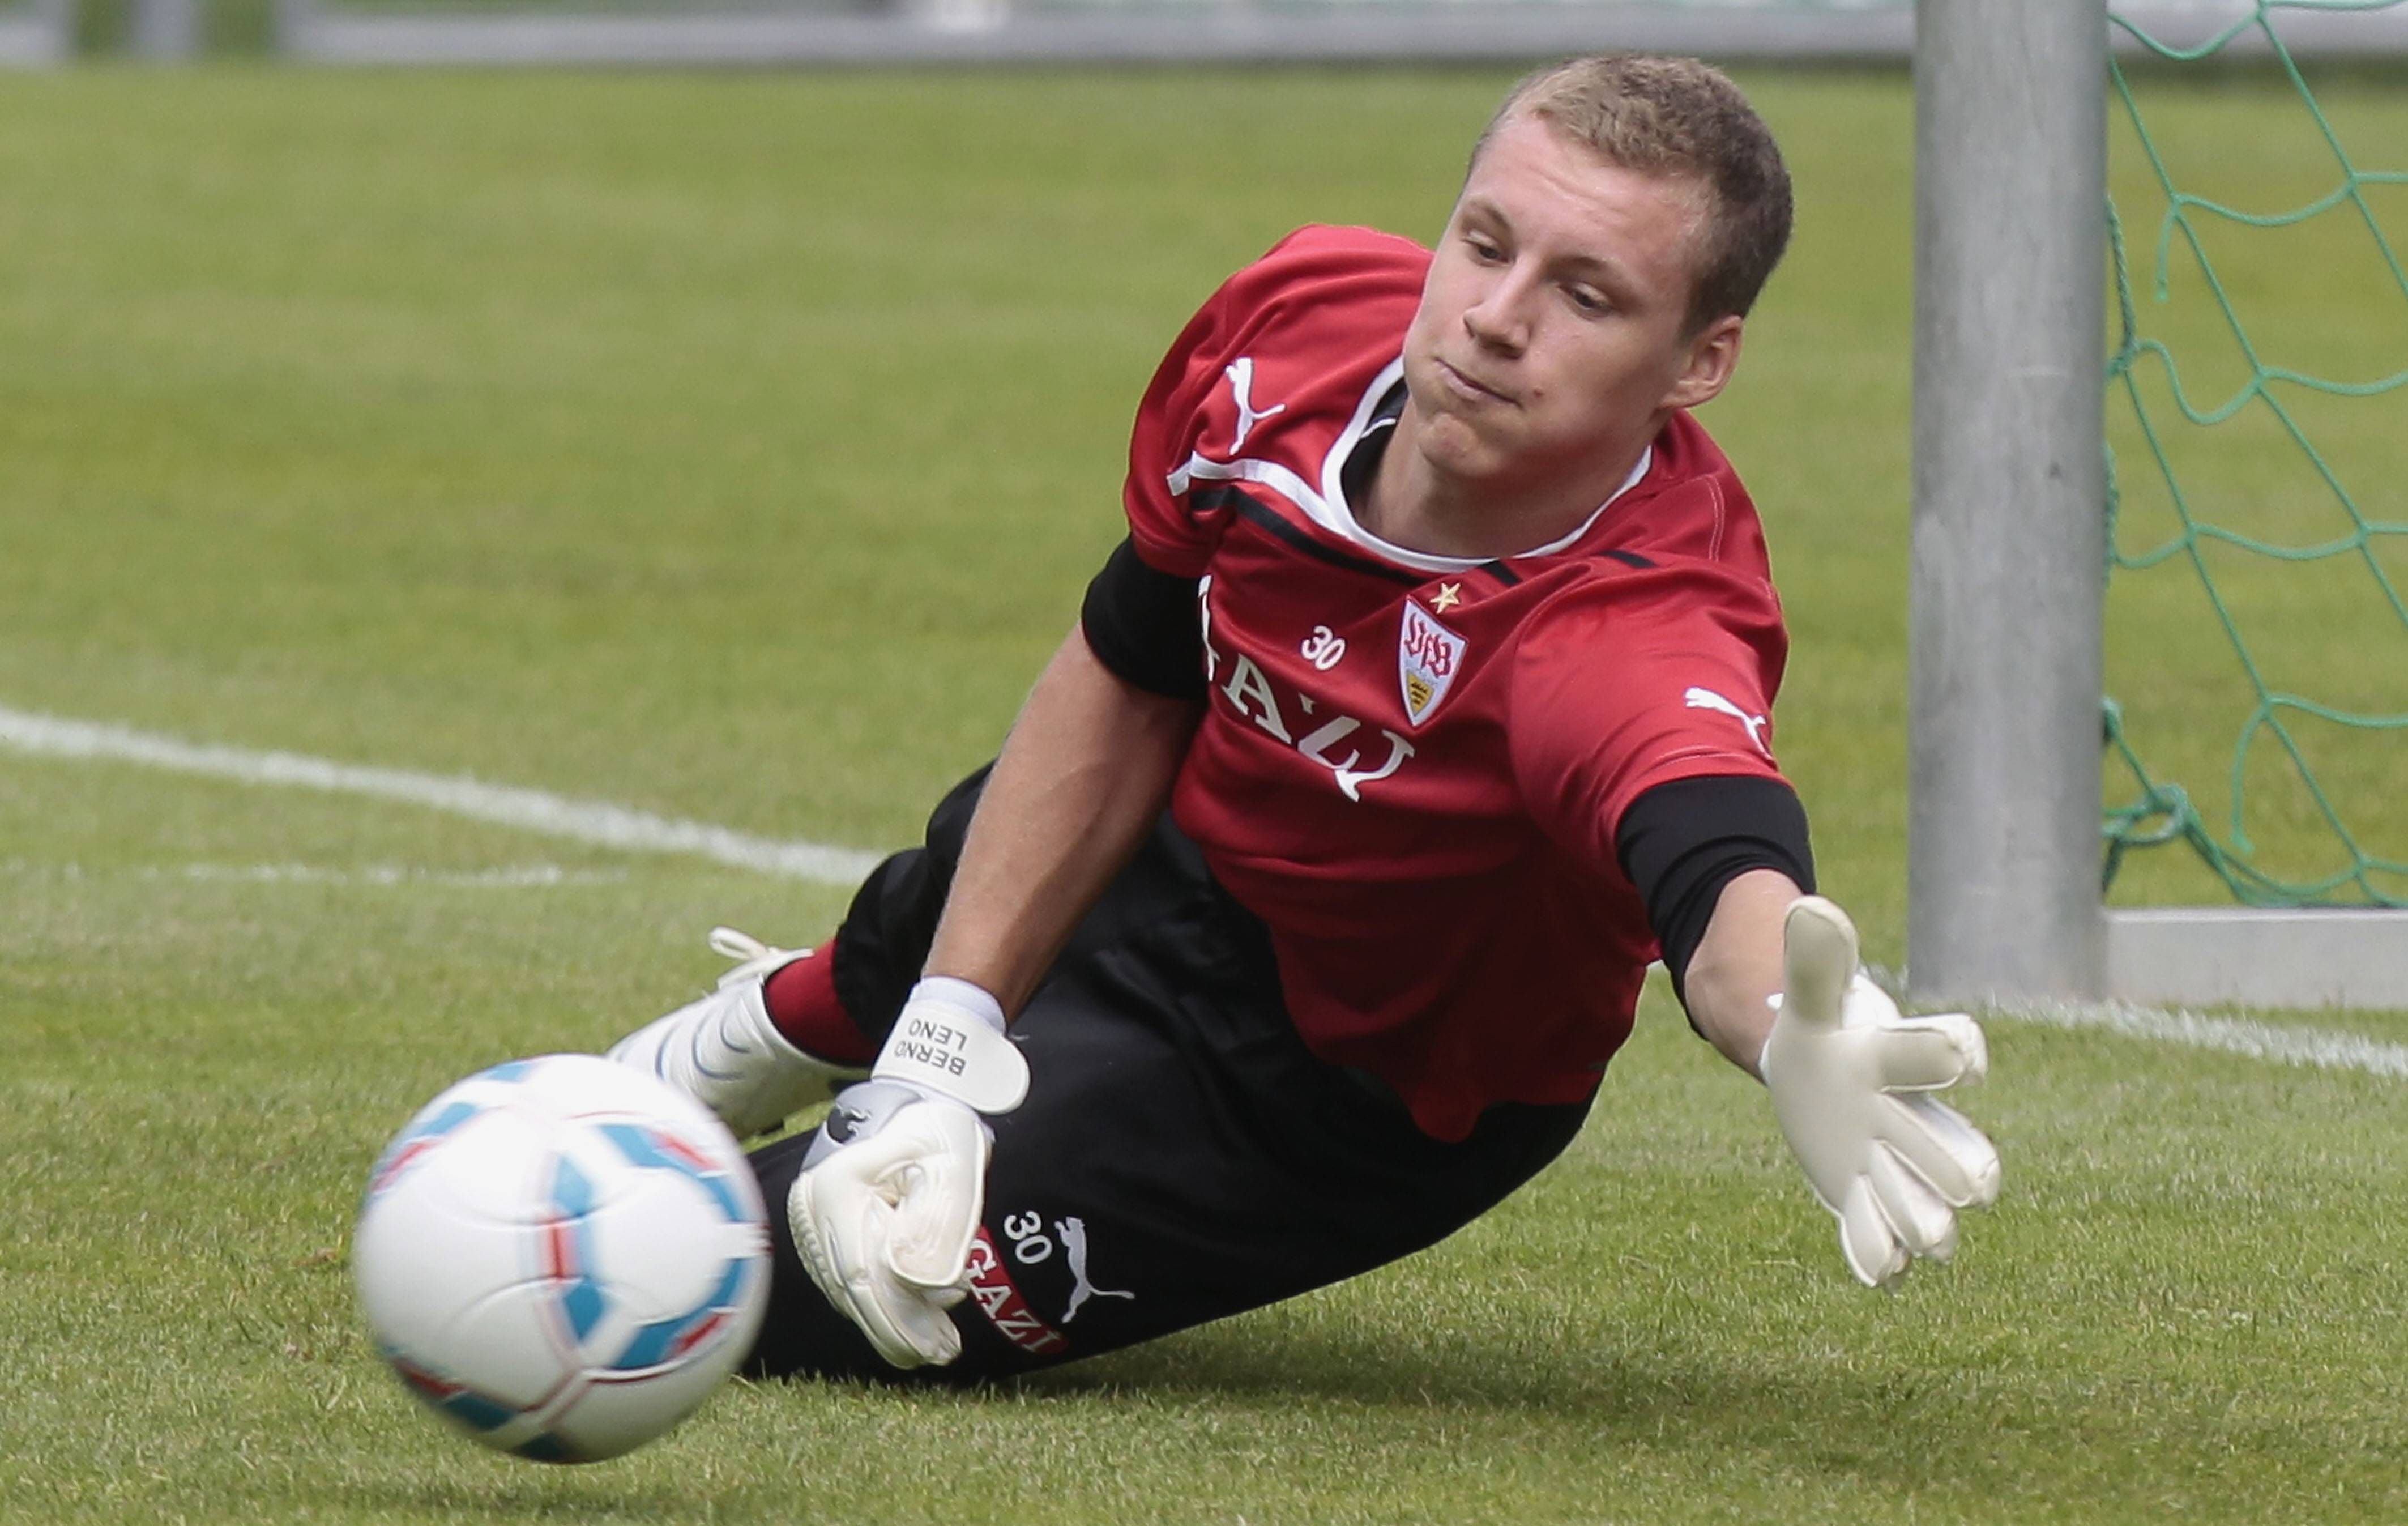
x=1498, y=320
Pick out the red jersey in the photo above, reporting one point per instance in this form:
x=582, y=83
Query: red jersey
x=1411, y=766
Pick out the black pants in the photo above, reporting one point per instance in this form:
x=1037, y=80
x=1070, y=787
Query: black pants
x=1181, y=1156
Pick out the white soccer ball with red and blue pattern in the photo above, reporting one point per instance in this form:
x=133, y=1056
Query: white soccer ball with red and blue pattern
x=562, y=1256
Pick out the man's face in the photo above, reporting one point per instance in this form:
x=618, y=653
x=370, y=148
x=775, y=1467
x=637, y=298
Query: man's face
x=1551, y=334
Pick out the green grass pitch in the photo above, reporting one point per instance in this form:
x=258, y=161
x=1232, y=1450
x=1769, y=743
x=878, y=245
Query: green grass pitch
x=735, y=448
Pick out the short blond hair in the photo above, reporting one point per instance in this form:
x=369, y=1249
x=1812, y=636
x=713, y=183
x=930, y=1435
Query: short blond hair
x=1680, y=119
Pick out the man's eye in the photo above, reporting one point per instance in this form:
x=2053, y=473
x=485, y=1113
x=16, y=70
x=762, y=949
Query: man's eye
x=1587, y=300
x=1484, y=249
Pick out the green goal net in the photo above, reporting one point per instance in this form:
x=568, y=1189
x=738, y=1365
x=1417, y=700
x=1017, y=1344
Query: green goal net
x=2258, y=398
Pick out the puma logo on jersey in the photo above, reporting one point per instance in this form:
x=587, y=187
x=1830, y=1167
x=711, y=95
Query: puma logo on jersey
x=1242, y=386
x=1074, y=1250
x=1698, y=698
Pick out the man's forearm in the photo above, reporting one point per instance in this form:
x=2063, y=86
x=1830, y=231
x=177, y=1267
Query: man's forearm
x=1086, y=769
x=1737, y=966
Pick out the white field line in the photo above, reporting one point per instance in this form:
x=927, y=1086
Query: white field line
x=506, y=877
x=2321, y=1049
x=595, y=822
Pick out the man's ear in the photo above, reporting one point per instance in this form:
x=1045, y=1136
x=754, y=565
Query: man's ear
x=1714, y=354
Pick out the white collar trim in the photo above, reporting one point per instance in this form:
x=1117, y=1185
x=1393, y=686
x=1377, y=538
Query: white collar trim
x=1328, y=508
x=1341, y=514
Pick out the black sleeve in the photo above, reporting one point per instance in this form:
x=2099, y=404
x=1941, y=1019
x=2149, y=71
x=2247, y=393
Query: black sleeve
x=1682, y=843
x=1141, y=625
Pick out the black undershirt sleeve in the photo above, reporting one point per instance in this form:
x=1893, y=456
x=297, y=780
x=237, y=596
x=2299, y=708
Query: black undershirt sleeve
x=1682, y=843
x=1141, y=625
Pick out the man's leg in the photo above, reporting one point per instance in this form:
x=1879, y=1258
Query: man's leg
x=1180, y=1156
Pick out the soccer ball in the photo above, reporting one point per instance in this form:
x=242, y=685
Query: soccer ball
x=562, y=1256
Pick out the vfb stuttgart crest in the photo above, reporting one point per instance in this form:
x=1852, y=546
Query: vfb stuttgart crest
x=1427, y=658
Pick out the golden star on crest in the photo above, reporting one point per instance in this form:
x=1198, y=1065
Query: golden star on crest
x=1449, y=595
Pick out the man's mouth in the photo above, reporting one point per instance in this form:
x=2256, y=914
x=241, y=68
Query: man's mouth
x=1469, y=387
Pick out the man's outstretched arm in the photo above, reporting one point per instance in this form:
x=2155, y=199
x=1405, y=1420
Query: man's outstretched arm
x=1776, y=986
x=1737, y=967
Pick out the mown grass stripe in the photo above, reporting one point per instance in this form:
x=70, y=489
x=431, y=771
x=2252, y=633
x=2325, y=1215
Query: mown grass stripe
x=596, y=822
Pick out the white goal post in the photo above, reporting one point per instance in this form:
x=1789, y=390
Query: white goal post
x=2009, y=554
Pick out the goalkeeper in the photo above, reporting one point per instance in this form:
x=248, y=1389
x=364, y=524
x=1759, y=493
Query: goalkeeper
x=1426, y=703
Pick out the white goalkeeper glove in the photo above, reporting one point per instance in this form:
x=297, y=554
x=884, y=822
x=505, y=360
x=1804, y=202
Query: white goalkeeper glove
x=888, y=1202
x=724, y=1052
x=1850, y=1077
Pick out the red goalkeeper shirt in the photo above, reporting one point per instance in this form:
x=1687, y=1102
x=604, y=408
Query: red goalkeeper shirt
x=1411, y=767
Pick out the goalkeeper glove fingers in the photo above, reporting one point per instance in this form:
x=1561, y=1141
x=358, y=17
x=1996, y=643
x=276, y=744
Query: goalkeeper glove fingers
x=1850, y=1078
x=889, y=1201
